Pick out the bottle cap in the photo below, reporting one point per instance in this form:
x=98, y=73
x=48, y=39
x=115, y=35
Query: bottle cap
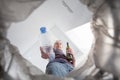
x=43, y=29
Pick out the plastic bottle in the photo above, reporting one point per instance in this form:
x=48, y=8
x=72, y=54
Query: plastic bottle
x=45, y=43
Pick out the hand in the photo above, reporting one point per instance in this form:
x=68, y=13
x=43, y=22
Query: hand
x=43, y=54
x=69, y=50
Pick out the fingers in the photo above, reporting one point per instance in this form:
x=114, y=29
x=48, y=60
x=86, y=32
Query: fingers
x=41, y=49
x=69, y=50
x=45, y=56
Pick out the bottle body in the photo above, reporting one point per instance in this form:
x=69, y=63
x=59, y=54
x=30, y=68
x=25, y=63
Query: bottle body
x=45, y=43
x=68, y=54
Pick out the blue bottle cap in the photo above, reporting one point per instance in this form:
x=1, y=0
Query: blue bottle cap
x=43, y=29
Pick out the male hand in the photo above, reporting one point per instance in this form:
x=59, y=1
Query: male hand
x=69, y=50
x=43, y=54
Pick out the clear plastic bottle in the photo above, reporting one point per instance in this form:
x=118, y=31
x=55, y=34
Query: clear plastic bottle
x=45, y=43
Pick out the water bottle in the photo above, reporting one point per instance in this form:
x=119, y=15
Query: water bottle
x=45, y=43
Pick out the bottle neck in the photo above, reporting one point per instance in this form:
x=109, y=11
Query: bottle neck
x=67, y=46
